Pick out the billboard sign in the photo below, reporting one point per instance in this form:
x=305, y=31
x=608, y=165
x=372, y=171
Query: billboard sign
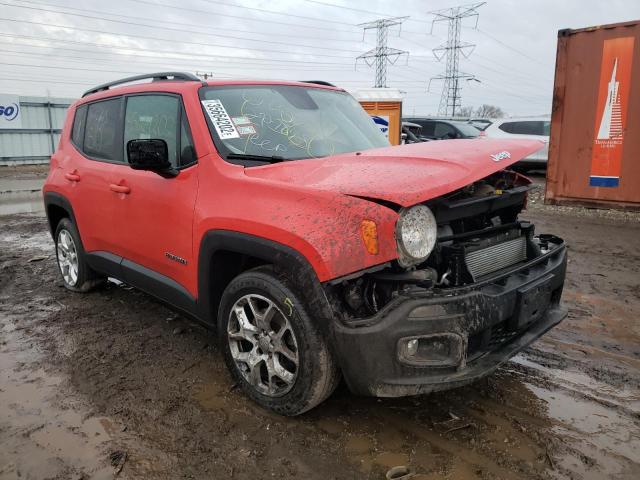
x=611, y=112
x=10, y=112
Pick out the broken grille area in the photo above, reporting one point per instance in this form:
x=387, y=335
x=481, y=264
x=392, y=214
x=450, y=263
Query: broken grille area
x=496, y=257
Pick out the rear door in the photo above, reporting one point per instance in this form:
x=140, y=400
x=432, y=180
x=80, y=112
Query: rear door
x=155, y=214
x=96, y=139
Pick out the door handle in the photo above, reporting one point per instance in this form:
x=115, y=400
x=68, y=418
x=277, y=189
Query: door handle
x=119, y=188
x=72, y=177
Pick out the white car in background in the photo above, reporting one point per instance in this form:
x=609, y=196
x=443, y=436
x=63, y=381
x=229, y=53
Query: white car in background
x=526, y=127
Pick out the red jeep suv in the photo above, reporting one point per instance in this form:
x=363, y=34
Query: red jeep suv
x=278, y=214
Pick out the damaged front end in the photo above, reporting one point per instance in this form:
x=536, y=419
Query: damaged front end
x=488, y=286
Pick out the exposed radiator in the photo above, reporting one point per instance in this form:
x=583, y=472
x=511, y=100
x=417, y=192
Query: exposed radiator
x=496, y=257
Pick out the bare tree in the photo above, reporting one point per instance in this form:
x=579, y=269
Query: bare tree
x=466, y=112
x=489, y=111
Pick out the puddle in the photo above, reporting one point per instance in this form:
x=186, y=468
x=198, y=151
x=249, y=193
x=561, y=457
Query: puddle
x=607, y=429
x=43, y=431
x=624, y=397
x=21, y=202
x=599, y=438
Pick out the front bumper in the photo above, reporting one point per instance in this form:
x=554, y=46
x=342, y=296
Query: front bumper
x=491, y=321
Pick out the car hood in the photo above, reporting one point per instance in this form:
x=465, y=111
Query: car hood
x=404, y=175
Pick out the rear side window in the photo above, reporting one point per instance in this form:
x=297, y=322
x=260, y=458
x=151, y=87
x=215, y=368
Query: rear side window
x=529, y=127
x=428, y=127
x=77, y=132
x=101, y=138
x=443, y=130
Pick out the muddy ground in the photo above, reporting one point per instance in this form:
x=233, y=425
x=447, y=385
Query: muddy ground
x=114, y=384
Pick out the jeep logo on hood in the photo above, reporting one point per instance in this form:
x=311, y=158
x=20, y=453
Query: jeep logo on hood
x=496, y=157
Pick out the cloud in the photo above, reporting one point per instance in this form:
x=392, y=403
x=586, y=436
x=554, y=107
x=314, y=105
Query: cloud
x=65, y=47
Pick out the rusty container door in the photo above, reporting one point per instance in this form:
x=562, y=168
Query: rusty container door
x=594, y=147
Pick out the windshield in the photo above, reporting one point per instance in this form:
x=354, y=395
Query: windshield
x=468, y=130
x=287, y=121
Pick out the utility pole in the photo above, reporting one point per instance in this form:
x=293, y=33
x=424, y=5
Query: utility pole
x=381, y=55
x=450, y=100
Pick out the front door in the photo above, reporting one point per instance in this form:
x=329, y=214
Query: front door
x=155, y=214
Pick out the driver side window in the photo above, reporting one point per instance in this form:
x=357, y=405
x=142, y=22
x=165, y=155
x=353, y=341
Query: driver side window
x=160, y=117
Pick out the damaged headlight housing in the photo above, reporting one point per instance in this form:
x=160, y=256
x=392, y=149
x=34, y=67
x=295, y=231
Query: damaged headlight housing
x=416, y=233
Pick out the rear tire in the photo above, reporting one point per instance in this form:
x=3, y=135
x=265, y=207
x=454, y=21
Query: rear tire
x=76, y=274
x=271, y=346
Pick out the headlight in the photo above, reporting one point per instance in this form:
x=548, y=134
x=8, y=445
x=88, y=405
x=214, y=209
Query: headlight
x=416, y=233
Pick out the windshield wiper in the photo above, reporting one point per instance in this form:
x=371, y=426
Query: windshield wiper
x=259, y=158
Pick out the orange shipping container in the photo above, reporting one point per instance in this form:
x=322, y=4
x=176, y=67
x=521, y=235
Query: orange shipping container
x=385, y=107
x=594, y=149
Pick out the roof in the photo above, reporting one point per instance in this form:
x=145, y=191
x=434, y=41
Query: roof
x=540, y=118
x=379, y=95
x=178, y=81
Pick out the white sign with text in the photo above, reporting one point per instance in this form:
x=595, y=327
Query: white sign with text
x=10, y=112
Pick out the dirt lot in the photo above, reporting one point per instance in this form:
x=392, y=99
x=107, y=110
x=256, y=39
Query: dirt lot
x=115, y=384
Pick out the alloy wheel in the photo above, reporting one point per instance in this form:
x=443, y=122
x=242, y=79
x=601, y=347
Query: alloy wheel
x=263, y=345
x=67, y=257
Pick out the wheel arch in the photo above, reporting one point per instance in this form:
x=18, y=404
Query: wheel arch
x=57, y=207
x=224, y=254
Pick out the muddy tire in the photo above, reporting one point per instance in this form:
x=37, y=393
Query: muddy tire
x=76, y=274
x=272, y=348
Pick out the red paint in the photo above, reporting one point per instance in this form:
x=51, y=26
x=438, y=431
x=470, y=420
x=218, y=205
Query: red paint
x=307, y=205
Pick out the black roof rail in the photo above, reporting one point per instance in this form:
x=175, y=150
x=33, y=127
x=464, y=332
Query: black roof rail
x=319, y=82
x=155, y=77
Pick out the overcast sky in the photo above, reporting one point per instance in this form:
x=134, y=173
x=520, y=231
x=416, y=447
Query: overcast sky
x=64, y=47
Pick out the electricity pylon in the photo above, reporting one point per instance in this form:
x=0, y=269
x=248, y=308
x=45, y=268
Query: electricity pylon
x=450, y=100
x=382, y=55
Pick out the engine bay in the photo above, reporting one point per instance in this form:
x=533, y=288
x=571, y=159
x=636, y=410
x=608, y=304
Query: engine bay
x=479, y=237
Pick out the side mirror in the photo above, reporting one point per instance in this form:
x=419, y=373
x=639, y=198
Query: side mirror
x=150, y=154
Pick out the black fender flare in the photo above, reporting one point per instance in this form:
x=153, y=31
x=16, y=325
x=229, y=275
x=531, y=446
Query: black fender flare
x=54, y=198
x=284, y=258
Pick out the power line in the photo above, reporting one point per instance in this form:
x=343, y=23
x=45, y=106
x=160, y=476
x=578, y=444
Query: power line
x=23, y=79
x=360, y=10
x=522, y=78
x=164, y=52
x=382, y=55
x=146, y=37
x=181, y=30
x=450, y=99
x=55, y=67
x=272, y=12
x=182, y=8
x=190, y=25
x=506, y=45
x=84, y=58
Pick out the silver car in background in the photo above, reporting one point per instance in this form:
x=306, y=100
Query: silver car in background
x=525, y=127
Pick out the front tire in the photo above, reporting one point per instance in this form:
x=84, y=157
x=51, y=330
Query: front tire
x=272, y=348
x=76, y=274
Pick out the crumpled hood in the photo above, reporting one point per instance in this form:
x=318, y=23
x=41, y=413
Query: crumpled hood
x=406, y=174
